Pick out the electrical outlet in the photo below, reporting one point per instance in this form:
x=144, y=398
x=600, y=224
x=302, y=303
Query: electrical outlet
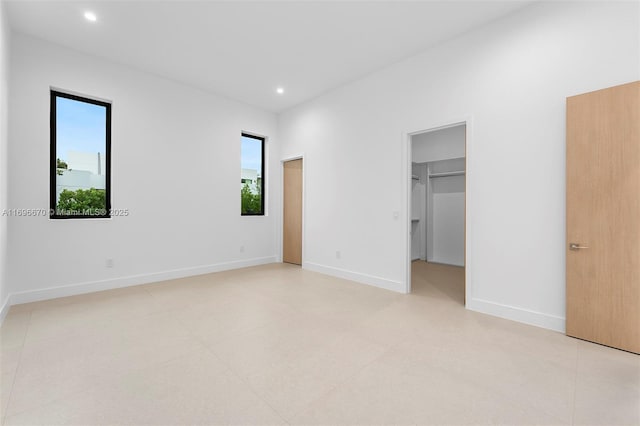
x=338, y=254
x=109, y=263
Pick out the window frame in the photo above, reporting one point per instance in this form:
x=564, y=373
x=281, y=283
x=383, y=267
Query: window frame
x=262, y=140
x=54, y=94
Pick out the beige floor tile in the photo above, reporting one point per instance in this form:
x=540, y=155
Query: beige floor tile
x=275, y=343
x=88, y=311
x=12, y=335
x=536, y=382
x=14, y=328
x=407, y=318
x=28, y=307
x=607, y=386
x=53, y=368
x=185, y=292
x=608, y=364
x=396, y=390
x=284, y=341
x=214, y=324
x=536, y=370
x=441, y=283
x=327, y=298
x=545, y=384
x=6, y=384
x=9, y=357
x=290, y=387
x=197, y=389
x=598, y=403
x=528, y=339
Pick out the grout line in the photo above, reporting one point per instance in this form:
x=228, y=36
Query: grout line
x=206, y=346
x=123, y=373
x=15, y=374
x=244, y=382
x=350, y=327
x=347, y=378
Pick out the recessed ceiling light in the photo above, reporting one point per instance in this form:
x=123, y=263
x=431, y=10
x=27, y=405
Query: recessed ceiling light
x=90, y=16
x=279, y=90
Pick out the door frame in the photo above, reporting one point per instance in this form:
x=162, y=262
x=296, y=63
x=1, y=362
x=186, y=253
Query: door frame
x=281, y=221
x=406, y=185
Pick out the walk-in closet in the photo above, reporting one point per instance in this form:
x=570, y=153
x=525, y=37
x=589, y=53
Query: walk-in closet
x=438, y=196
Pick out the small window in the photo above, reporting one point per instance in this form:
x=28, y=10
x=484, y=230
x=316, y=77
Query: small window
x=252, y=176
x=80, y=157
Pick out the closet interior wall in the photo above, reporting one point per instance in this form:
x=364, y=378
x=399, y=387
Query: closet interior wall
x=446, y=211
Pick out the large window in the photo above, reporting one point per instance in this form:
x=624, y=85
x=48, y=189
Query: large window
x=252, y=175
x=80, y=157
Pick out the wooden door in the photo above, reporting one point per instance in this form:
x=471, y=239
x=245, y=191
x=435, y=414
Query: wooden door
x=603, y=217
x=292, y=227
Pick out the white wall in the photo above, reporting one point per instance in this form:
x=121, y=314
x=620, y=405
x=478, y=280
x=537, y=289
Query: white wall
x=438, y=145
x=175, y=167
x=4, y=144
x=511, y=78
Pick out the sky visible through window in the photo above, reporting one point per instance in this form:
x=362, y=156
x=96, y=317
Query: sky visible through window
x=252, y=154
x=80, y=126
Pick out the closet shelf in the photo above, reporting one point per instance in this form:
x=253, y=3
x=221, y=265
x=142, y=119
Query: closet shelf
x=415, y=220
x=414, y=177
x=445, y=174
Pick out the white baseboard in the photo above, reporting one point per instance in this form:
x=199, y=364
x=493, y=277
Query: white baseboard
x=384, y=283
x=513, y=313
x=446, y=262
x=93, y=286
x=526, y=316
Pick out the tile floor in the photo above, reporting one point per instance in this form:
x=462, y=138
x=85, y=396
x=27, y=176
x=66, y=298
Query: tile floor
x=278, y=345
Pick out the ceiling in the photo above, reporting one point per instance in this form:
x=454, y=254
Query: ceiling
x=245, y=50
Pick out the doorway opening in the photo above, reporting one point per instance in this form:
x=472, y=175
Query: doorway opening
x=292, y=211
x=437, y=212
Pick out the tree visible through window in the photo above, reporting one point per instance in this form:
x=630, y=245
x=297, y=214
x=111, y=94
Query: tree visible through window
x=252, y=175
x=80, y=157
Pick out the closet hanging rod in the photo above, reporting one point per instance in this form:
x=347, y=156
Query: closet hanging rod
x=445, y=174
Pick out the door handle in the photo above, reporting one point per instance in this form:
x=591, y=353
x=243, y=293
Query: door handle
x=576, y=246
